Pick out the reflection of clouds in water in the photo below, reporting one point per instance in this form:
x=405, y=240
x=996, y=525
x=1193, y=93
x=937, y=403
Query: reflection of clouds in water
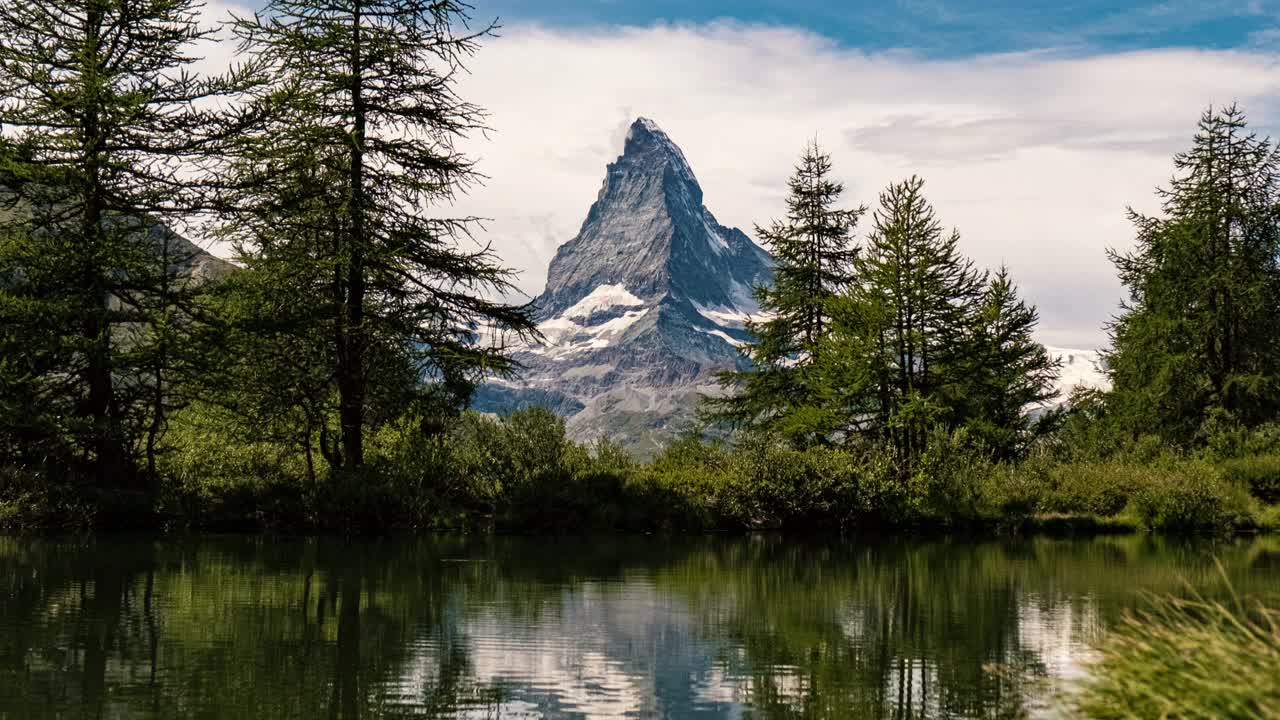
x=598, y=651
x=589, y=682
x=1058, y=634
x=611, y=651
x=718, y=687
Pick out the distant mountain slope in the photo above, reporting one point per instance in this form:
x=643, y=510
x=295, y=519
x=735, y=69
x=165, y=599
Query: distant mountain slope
x=1080, y=368
x=642, y=307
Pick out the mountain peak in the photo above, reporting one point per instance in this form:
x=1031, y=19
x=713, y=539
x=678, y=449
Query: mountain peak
x=649, y=233
x=650, y=144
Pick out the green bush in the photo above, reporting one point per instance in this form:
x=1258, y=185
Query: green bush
x=1226, y=439
x=215, y=480
x=1190, y=496
x=1012, y=492
x=1259, y=473
x=1092, y=488
x=523, y=474
x=946, y=481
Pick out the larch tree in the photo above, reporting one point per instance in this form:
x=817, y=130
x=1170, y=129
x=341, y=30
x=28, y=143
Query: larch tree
x=907, y=316
x=363, y=93
x=102, y=111
x=1198, y=340
x=813, y=253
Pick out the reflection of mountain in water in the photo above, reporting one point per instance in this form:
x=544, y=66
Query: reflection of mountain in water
x=535, y=628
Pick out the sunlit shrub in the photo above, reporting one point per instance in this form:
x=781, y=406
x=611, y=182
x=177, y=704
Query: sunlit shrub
x=1191, y=496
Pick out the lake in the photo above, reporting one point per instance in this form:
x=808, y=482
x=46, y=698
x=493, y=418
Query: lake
x=505, y=627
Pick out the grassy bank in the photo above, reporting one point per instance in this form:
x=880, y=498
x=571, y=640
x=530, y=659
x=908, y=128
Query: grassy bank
x=522, y=474
x=1191, y=659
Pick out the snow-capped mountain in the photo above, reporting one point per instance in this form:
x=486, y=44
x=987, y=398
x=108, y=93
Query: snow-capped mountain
x=1080, y=368
x=642, y=307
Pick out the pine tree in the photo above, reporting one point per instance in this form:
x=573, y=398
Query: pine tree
x=1005, y=373
x=813, y=252
x=924, y=291
x=906, y=320
x=102, y=113
x=363, y=93
x=1199, y=339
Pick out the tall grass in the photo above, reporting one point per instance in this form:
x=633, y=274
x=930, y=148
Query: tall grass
x=1189, y=659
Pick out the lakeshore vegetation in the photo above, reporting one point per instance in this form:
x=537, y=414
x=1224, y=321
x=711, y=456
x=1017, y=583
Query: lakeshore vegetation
x=322, y=382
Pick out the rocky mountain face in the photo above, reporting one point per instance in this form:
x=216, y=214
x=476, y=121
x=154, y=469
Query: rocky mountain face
x=642, y=307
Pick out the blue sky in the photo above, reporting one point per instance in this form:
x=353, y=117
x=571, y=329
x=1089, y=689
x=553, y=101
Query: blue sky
x=942, y=28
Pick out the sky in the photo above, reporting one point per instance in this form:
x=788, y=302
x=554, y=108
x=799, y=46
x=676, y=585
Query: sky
x=1034, y=124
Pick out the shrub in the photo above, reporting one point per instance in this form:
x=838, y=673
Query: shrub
x=1227, y=439
x=1092, y=488
x=213, y=479
x=1259, y=473
x=1190, y=496
x=1015, y=491
x=946, y=480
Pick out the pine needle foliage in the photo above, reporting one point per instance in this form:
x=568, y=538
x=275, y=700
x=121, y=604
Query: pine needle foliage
x=344, y=183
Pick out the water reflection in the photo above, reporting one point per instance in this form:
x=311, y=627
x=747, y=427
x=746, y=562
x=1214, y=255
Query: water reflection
x=530, y=628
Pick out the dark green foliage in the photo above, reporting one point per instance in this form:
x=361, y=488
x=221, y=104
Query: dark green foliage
x=1005, y=373
x=924, y=340
x=1259, y=473
x=813, y=252
x=1198, y=342
x=102, y=113
x=884, y=346
x=357, y=123
x=904, y=323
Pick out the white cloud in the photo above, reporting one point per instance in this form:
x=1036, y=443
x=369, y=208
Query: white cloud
x=1034, y=156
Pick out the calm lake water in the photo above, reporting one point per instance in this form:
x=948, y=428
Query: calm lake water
x=242, y=628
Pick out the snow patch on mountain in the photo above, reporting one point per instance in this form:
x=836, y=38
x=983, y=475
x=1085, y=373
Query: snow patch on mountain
x=604, y=297
x=1080, y=368
x=718, y=243
x=724, y=336
x=733, y=317
x=562, y=337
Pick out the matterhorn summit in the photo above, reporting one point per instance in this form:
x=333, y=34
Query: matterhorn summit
x=642, y=307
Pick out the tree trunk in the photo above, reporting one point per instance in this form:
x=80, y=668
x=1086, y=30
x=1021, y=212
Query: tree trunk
x=351, y=370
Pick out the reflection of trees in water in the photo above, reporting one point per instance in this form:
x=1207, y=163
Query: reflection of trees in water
x=909, y=628
x=244, y=628
x=883, y=631
x=236, y=629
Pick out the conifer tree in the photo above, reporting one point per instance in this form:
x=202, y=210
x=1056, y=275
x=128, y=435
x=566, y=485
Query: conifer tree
x=813, y=252
x=1199, y=338
x=1006, y=373
x=363, y=92
x=918, y=293
x=102, y=112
